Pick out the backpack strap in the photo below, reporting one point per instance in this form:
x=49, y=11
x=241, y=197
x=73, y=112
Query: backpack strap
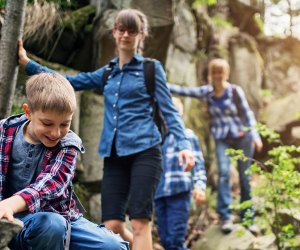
x=149, y=74
x=107, y=72
x=104, y=78
x=237, y=102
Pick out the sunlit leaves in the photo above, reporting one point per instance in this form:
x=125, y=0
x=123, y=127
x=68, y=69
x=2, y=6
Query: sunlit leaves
x=278, y=189
x=199, y=3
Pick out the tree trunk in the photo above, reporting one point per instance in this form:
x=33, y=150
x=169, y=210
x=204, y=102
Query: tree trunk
x=11, y=31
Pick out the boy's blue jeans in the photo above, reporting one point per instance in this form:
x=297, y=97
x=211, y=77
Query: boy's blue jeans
x=172, y=214
x=244, y=143
x=47, y=231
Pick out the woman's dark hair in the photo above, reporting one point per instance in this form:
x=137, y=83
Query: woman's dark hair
x=135, y=20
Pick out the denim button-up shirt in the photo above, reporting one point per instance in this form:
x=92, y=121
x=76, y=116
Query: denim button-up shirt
x=127, y=106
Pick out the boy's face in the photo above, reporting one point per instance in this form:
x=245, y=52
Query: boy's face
x=46, y=127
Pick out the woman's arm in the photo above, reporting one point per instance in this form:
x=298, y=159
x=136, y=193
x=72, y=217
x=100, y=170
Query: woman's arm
x=172, y=118
x=81, y=81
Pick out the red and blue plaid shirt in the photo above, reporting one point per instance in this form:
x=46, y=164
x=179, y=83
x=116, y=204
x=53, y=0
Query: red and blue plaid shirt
x=52, y=189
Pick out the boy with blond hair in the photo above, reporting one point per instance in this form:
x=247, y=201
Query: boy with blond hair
x=38, y=154
x=232, y=125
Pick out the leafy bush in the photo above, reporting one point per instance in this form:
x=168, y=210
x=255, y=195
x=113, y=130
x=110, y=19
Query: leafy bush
x=280, y=187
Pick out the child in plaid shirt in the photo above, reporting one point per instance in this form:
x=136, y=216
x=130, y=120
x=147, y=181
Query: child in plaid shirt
x=37, y=163
x=172, y=199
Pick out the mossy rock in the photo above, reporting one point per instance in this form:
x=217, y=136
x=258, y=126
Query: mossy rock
x=78, y=19
x=8, y=230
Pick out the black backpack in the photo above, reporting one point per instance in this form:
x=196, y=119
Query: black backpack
x=149, y=74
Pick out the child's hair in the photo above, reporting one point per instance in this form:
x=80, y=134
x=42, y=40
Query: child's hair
x=219, y=62
x=178, y=105
x=135, y=20
x=50, y=92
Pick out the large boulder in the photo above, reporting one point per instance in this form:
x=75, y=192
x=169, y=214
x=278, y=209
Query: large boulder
x=246, y=67
x=238, y=239
x=282, y=65
x=214, y=239
x=282, y=115
x=243, y=15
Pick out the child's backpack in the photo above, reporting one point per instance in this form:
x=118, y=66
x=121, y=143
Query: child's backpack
x=149, y=74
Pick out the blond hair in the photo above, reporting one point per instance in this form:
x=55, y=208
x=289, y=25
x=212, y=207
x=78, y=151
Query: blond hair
x=50, y=92
x=219, y=62
x=178, y=105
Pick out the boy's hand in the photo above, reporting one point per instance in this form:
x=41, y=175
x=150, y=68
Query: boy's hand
x=199, y=197
x=23, y=58
x=258, y=145
x=187, y=156
x=6, y=213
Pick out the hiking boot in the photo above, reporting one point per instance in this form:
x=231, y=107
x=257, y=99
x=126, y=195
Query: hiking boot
x=226, y=226
x=253, y=229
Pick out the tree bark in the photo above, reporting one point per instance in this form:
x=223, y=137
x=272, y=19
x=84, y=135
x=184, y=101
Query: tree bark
x=11, y=31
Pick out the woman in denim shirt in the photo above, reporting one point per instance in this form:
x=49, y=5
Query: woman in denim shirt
x=130, y=140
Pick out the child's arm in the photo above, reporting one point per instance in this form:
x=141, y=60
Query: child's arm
x=11, y=206
x=199, y=197
x=53, y=181
x=198, y=173
x=249, y=118
x=197, y=92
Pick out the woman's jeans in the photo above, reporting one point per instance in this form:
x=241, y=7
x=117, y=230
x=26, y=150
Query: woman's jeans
x=244, y=143
x=47, y=231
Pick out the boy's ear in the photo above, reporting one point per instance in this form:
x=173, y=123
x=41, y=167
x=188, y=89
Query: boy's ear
x=27, y=111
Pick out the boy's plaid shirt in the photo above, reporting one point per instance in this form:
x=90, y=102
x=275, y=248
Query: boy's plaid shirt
x=173, y=179
x=224, y=121
x=52, y=190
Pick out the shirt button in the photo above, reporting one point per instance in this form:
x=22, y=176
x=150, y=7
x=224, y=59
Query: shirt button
x=115, y=117
x=118, y=83
x=27, y=166
x=114, y=105
x=30, y=154
x=115, y=129
x=116, y=94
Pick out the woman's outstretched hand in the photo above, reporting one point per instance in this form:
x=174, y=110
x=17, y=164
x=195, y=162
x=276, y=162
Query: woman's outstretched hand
x=23, y=58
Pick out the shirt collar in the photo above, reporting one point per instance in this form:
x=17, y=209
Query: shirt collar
x=136, y=58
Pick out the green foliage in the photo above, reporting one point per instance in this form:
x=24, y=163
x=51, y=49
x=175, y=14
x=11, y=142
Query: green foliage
x=279, y=187
x=266, y=92
x=199, y=3
x=2, y=4
x=16, y=109
x=268, y=133
x=221, y=22
x=259, y=22
x=76, y=20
